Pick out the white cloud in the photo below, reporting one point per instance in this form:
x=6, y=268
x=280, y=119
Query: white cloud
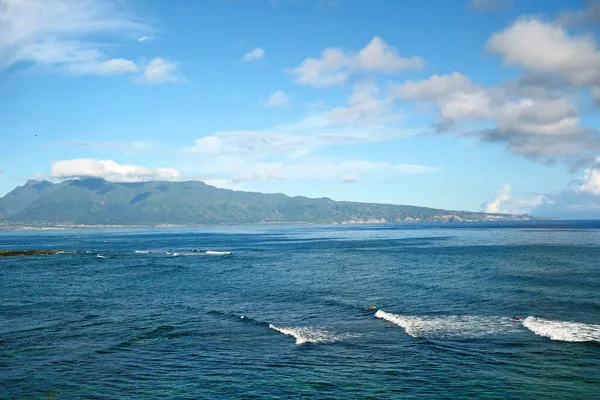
x=235, y=170
x=366, y=119
x=292, y=151
x=129, y=147
x=57, y=34
x=502, y=196
x=159, y=70
x=435, y=87
x=117, y=66
x=379, y=56
x=546, y=127
x=589, y=183
x=329, y=70
x=504, y=203
x=143, y=39
x=255, y=54
x=364, y=107
x=110, y=170
x=254, y=143
x=350, y=179
x=277, y=99
x=335, y=65
x=548, y=48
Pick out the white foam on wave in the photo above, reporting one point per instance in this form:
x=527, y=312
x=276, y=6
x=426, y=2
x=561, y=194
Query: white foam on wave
x=217, y=253
x=449, y=326
x=142, y=251
x=565, y=331
x=308, y=334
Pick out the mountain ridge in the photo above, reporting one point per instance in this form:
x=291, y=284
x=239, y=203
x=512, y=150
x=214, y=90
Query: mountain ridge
x=95, y=201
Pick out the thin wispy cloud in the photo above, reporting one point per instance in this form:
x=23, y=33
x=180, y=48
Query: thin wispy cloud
x=77, y=37
x=255, y=54
x=277, y=99
x=121, y=146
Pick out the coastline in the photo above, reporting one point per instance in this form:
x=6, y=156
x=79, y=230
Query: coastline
x=446, y=219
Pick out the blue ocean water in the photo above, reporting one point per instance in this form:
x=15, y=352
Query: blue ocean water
x=286, y=314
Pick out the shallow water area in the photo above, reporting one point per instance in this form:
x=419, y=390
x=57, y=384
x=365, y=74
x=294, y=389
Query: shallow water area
x=283, y=312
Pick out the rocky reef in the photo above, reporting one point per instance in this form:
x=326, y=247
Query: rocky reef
x=11, y=253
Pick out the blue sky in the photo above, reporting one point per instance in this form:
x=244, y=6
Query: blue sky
x=471, y=105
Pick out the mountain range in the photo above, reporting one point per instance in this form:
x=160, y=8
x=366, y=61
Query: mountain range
x=95, y=201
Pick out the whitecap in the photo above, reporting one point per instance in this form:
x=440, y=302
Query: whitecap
x=217, y=253
x=142, y=251
x=308, y=334
x=449, y=326
x=565, y=331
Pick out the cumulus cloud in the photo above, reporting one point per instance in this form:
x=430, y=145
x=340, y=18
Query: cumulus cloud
x=159, y=71
x=55, y=33
x=581, y=199
x=546, y=128
x=336, y=65
x=589, y=183
x=504, y=203
x=548, y=48
x=277, y=99
x=379, y=56
x=435, y=87
x=533, y=116
x=110, y=170
x=255, y=54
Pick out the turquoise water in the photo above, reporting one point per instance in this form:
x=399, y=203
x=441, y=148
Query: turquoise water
x=284, y=315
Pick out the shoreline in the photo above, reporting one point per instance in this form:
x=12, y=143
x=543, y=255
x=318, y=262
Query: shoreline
x=62, y=227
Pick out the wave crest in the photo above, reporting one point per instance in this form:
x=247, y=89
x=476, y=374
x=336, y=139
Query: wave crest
x=309, y=334
x=563, y=330
x=450, y=326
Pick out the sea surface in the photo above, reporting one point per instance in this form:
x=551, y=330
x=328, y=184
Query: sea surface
x=286, y=314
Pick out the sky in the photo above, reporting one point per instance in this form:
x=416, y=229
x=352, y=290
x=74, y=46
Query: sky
x=479, y=105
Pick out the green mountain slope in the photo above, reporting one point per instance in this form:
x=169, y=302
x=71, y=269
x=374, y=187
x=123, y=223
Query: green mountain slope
x=95, y=201
x=22, y=196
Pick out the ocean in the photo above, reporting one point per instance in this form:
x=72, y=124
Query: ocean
x=147, y=313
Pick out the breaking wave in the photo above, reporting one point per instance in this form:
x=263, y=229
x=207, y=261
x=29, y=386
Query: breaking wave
x=563, y=330
x=307, y=334
x=449, y=326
